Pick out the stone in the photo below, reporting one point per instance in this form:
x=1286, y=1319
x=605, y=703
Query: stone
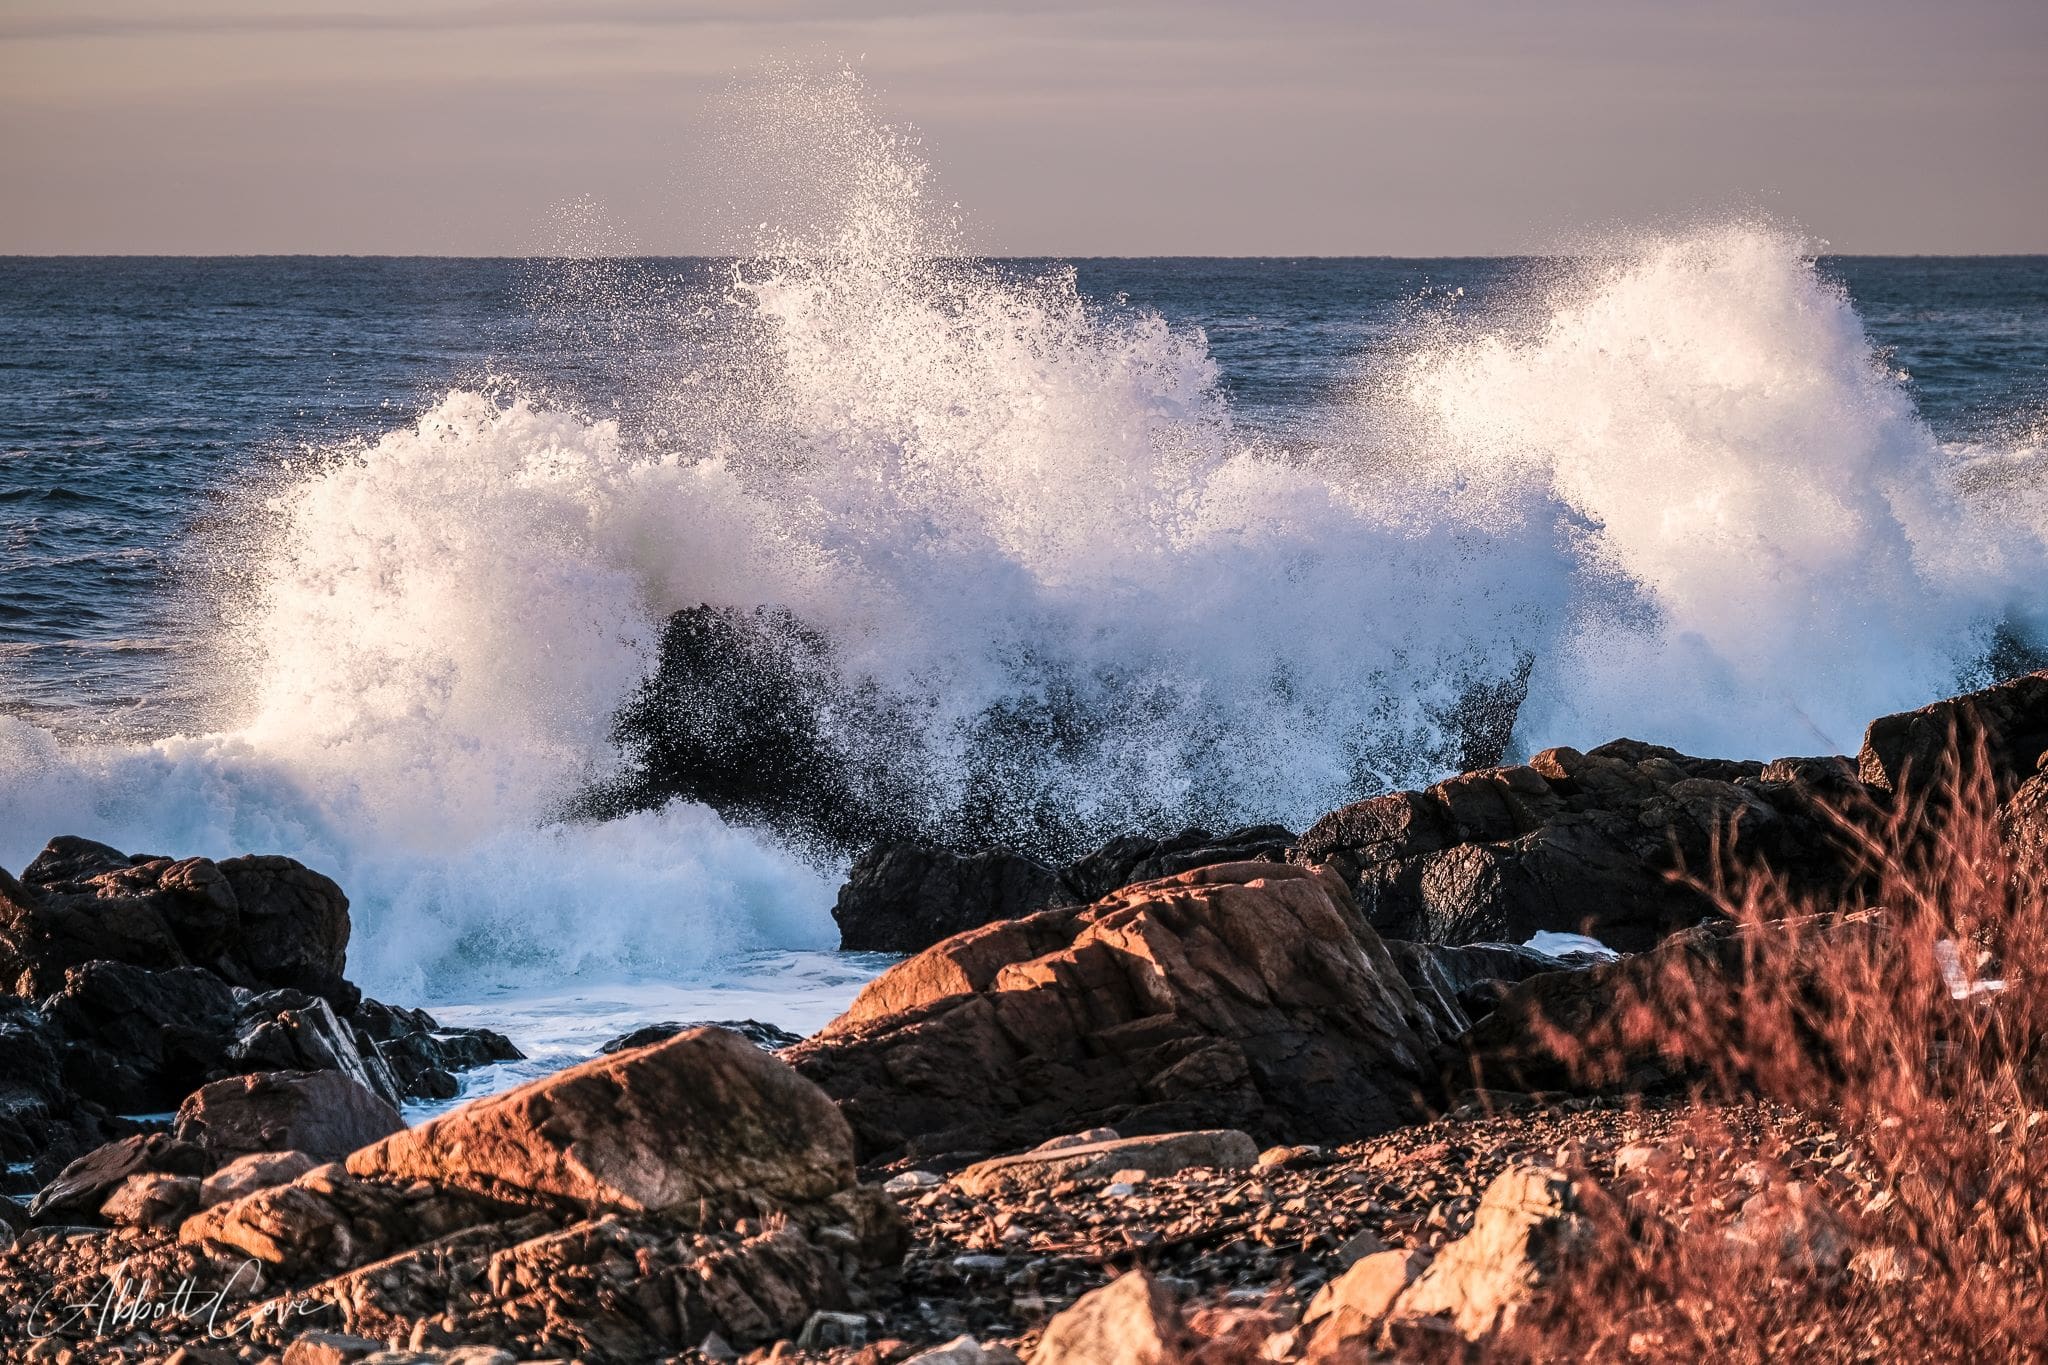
x=1245, y=995
x=1910, y=754
x=767, y=1037
x=1577, y=843
x=1165, y=1154
x=257, y=922
x=701, y=1119
x=1132, y=1320
x=908, y=1182
x=1525, y=1230
x=824, y=1330
x=1466, y=983
x=152, y=1200
x=965, y=1351
x=902, y=898
x=329, y=1348
x=1347, y=1313
x=323, y=1114
x=84, y=1185
x=256, y=1171
x=293, y=1031
x=1132, y=858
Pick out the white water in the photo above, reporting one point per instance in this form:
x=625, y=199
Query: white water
x=1675, y=476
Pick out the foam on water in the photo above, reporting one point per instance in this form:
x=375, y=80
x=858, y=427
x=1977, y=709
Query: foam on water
x=1674, y=476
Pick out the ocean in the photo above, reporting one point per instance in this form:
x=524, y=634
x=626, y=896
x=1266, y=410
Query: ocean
x=359, y=559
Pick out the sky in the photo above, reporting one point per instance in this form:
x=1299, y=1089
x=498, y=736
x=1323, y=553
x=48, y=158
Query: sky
x=1287, y=127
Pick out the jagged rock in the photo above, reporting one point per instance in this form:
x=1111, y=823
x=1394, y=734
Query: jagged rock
x=294, y=1031
x=326, y=1221
x=259, y=922
x=1132, y=1320
x=81, y=1187
x=424, y=1056
x=1905, y=755
x=1165, y=1154
x=693, y=1122
x=767, y=1037
x=245, y=1175
x=1247, y=994
x=1572, y=842
x=902, y=898
x=324, y=1114
x=1346, y=1315
x=1131, y=858
x=1587, y=1030
x=137, y=1040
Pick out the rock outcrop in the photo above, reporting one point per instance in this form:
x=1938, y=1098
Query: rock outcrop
x=902, y=898
x=1907, y=754
x=1577, y=842
x=1244, y=995
x=324, y=1114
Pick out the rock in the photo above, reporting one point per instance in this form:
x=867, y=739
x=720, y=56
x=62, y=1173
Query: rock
x=1794, y=1227
x=1524, y=1231
x=1165, y=1154
x=329, y=1348
x=1066, y=1140
x=902, y=898
x=908, y=1182
x=81, y=1187
x=824, y=1330
x=257, y=1171
x=1347, y=1313
x=965, y=1351
x=701, y=1119
x=2023, y=827
x=1131, y=858
x=767, y=1037
x=423, y=1055
x=259, y=922
x=1576, y=1031
x=139, y=1041
x=293, y=1031
x=1247, y=994
x=323, y=1114
x=152, y=1201
x=1461, y=984
x=1132, y=1320
x=1572, y=842
x=1907, y=755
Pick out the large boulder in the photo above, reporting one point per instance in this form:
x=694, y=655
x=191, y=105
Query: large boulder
x=902, y=898
x=684, y=1125
x=1910, y=754
x=325, y=1114
x=258, y=922
x=1131, y=858
x=1578, y=842
x=1246, y=995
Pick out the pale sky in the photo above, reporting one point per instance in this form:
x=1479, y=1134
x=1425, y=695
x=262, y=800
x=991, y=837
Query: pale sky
x=1438, y=127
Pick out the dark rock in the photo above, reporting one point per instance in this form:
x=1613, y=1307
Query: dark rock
x=1461, y=984
x=1248, y=995
x=423, y=1055
x=139, y=1041
x=1910, y=754
x=902, y=898
x=1605, y=1027
x=81, y=1187
x=1130, y=858
x=1585, y=843
x=324, y=1114
x=294, y=1031
x=256, y=922
x=767, y=1037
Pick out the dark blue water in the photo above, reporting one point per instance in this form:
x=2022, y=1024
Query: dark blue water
x=138, y=392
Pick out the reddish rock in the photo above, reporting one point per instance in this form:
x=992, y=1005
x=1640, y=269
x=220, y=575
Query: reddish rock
x=257, y=1171
x=81, y=1187
x=1133, y=1320
x=702, y=1118
x=1244, y=995
x=324, y=1114
x=1906, y=754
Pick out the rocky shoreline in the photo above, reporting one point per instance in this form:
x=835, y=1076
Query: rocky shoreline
x=1208, y=1098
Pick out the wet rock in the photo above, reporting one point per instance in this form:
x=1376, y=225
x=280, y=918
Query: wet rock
x=767, y=1037
x=422, y=1055
x=1164, y=1154
x=1247, y=994
x=1461, y=984
x=136, y=1040
x=258, y=922
x=294, y=1031
x=902, y=898
x=1572, y=842
x=1131, y=858
x=1909, y=754
x=1131, y=1321
x=323, y=1114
